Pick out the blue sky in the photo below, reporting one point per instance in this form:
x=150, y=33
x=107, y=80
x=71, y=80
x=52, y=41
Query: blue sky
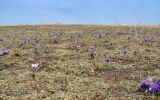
x=79, y=11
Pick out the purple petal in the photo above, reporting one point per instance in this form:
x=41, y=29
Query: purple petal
x=158, y=86
x=146, y=84
x=153, y=88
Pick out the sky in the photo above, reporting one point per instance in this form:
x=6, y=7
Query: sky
x=79, y=11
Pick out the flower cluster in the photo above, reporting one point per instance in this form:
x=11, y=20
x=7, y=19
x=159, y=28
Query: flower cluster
x=6, y=51
x=150, y=86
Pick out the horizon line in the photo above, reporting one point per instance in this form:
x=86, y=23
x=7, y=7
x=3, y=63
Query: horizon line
x=119, y=24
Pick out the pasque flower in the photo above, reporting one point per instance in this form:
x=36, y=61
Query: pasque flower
x=34, y=66
x=93, y=53
x=149, y=85
x=37, y=46
x=78, y=47
x=146, y=84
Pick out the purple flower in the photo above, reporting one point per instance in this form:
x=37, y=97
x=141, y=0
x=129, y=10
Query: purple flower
x=34, y=66
x=80, y=34
x=158, y=86
x=93, y=53
x=47, y=46
x=146, y=84
x=9, y=47
x=78, y=47
x=150, y=86
x=153, y=88
x=158, y=83
x=55, y=39
x=6, y=51
x=37, y=46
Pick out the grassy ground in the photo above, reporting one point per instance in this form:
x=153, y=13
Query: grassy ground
x=68, y=74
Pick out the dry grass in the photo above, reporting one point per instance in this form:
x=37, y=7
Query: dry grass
x=66, y=74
